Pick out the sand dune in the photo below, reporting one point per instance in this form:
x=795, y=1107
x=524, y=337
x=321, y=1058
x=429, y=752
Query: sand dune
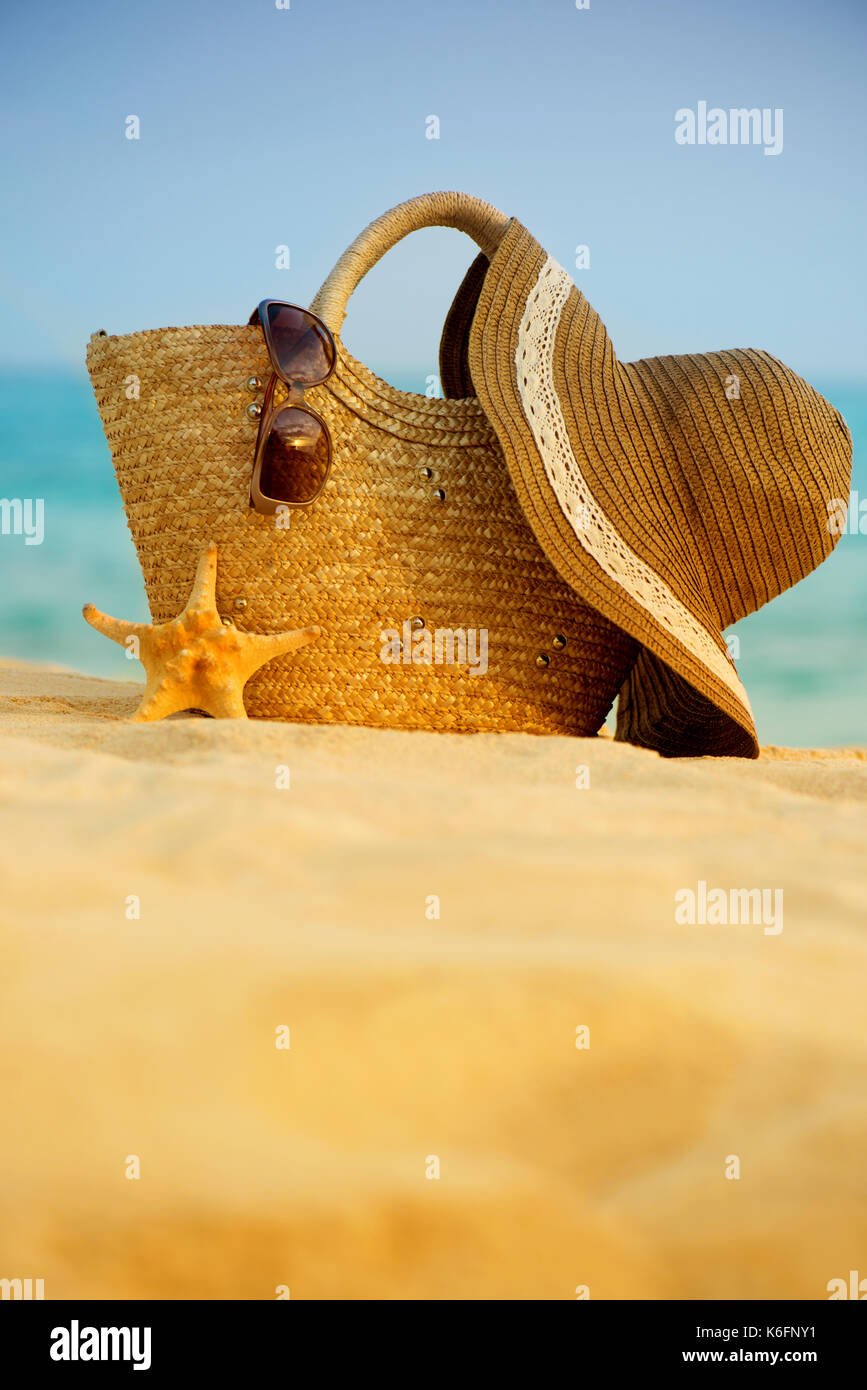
x=416, y=1038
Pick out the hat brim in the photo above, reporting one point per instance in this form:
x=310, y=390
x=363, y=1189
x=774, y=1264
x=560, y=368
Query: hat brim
x=543, y=369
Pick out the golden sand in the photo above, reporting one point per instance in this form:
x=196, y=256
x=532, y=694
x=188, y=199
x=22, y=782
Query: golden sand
x=416, y=1038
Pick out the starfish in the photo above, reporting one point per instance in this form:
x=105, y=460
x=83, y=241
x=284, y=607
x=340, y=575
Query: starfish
x=196, y=661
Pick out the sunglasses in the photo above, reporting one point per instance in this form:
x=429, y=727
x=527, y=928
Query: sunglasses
x=293, y=447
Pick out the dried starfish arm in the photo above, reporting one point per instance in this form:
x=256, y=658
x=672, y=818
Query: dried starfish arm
x=203, y=596
x=257, y=649
x=118, y=629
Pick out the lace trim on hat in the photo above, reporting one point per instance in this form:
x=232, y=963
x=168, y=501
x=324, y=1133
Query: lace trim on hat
x=534, y=364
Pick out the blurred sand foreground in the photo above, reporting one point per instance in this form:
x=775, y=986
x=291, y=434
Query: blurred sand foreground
x=412, y=1038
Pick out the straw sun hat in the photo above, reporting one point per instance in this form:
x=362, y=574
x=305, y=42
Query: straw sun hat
x=674, y=494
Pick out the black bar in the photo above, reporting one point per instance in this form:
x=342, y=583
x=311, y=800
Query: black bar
x=226, y=1337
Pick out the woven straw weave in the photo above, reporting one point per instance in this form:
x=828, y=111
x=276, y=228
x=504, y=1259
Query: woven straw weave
x=379, y=547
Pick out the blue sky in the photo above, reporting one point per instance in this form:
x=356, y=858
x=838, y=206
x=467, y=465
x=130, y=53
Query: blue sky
x=262, y=127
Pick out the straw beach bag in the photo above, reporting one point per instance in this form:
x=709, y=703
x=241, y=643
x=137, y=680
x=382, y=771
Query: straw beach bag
x=595, y=525
x=418, y=530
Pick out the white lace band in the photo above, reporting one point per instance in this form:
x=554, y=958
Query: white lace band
x=535, y=371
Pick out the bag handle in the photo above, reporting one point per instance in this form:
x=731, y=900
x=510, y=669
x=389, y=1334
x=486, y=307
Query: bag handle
x=479, y=220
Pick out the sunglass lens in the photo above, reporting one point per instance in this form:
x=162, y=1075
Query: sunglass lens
x=295, y=458
x=303, y=348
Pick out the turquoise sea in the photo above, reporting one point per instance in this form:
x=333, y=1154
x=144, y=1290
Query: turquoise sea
x=803, y=658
